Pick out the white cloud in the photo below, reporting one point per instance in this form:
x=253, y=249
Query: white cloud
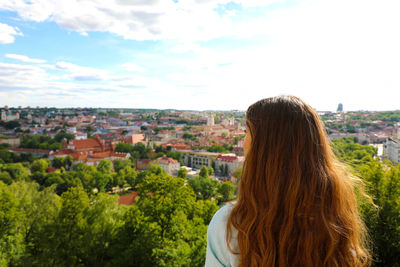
x=32, y=85
x=24, y=58
x=137, y=20
x=8, y=33
x=81, y=73
x=133, y=67
x=323, y=51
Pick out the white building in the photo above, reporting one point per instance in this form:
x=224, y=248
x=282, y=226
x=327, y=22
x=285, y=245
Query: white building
x=228, y=121
x=391, y=149
x=169, y=165
x=210, y=119
x=226, y=164
x=8, y=116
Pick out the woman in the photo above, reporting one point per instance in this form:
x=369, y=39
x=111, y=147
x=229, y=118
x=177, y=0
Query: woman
x=296, y=205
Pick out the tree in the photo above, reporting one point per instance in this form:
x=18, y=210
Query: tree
x=119, y=164
x=67, y=246
x=105, y=166
x=177, y=235
x=17, y=171
x=210, y=170
x=63, y=135
x=176, y=155
x=11, y=241
x=204, y=172
x=238, y=174
x=68, y=160
x=189, y=136
x=125, y=176
x=218, y=149
x=5, y=177
x=40, y=165
x=204, y=187
x=182, y=173
x=383, y=224
x=227, y=191
x=39, y=209
x=57, y=162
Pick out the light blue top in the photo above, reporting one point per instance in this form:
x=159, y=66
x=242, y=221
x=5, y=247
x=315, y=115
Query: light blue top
x=218, y=253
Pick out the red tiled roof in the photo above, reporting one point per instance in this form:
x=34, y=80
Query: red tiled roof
x=104, y=154
x=79, y=156
x=227, y=158
x=108, y=153
x=119, y=154
x=167, y=160
x=127, y=199
x=49, y=170
x=176, y=146
x=87, y=144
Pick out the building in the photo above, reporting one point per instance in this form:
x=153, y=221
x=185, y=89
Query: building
x=174, y=147
x=142, y=164
x=14, y=142
x=6, y=115
x=90, y=151
x=169, y=165
x=391, y=149
x=198, y=159
x=226, y=164
x=210, y=119
x=135, y=138
x=88, y=145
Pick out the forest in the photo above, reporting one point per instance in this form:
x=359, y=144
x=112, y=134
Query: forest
x=59, y=219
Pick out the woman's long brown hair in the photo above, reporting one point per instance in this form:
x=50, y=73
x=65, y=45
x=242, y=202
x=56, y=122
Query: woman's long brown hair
x=296, y=205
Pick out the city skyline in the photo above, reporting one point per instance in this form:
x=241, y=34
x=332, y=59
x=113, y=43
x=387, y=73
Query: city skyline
x=199, y=55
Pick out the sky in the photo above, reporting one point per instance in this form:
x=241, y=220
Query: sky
x=199, y=54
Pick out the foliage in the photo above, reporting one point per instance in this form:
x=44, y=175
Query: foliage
x=11, y=157
x=40, y=165
x=227, y=191
x=176, y=155
x=189, y=136
x=9, y=125
x=59, y=137
x=204, y=187
x=39, y=142
x=353, y=153
x=182, y=173
x=382, y=183
x=225, y=148
x=204, y=172
x=59, y=162
x=137, y=151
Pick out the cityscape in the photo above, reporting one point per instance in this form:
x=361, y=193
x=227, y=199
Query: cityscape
x=202, y=138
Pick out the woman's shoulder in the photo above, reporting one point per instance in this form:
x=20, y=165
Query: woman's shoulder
x=218, y=253
x=221, y=216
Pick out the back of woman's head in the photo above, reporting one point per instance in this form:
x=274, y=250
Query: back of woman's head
x=296, y=206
